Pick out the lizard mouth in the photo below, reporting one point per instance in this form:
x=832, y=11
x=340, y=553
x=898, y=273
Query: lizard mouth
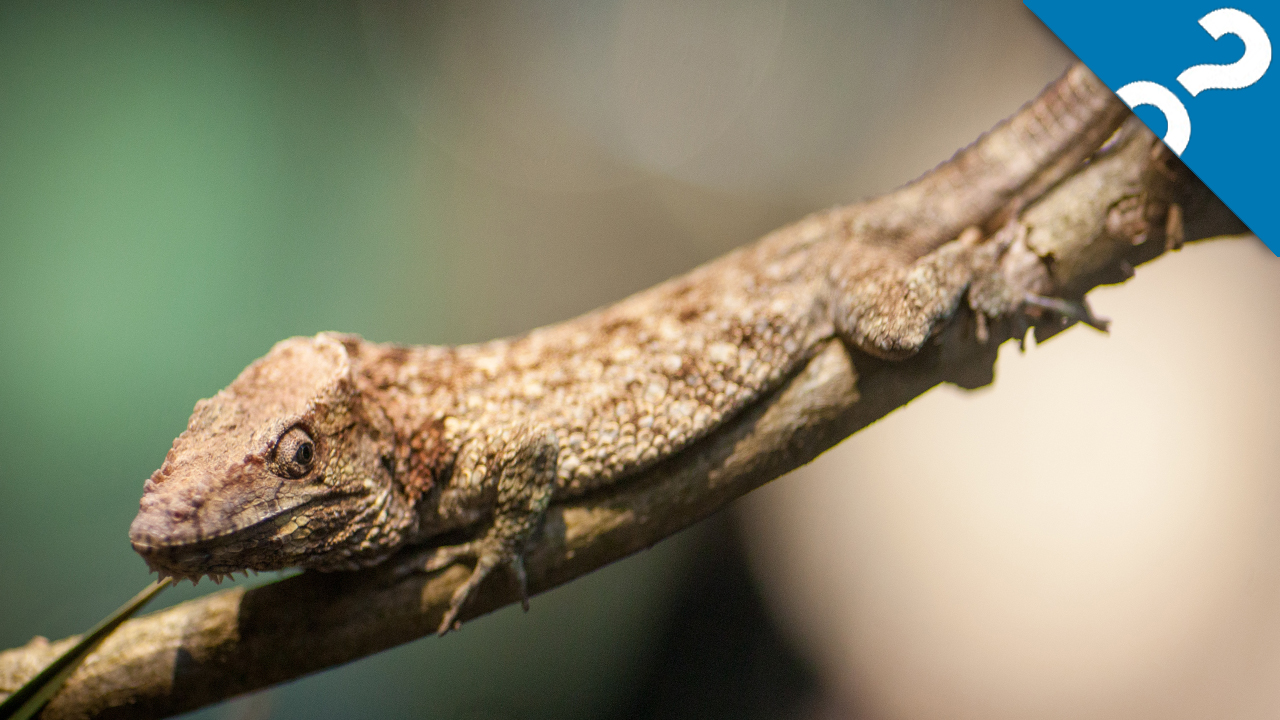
x=278, y=541
x=212, y=557
x=176, y=563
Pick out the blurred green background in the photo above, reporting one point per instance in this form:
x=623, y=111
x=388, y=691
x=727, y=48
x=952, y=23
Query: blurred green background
x=184, y=184
x=181, y=185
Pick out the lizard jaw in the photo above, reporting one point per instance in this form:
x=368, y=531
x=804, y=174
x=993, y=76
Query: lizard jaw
x=216, y=559
x=179, y=552
x=294, y=537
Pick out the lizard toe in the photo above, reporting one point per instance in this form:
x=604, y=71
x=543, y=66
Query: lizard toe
x=489, y=555
x=442, y=557
x=1070, y=310
x=435, y=559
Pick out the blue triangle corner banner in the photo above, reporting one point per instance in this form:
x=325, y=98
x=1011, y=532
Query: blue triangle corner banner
x=1199, y=74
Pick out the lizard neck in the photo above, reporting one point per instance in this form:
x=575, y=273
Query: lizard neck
x=415, y=402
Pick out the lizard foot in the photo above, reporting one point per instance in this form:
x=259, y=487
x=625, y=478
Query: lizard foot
x=488, y=553
x=1077, y=310
x=893, y=311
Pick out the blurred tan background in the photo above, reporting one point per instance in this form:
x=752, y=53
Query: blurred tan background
x=183, y=184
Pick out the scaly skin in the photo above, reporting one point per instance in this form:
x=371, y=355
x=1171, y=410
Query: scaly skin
x=332, y=453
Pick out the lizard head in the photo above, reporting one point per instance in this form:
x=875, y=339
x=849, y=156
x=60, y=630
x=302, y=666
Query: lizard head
x=288, y=466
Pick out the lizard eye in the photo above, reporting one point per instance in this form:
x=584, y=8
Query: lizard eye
x=295, y=451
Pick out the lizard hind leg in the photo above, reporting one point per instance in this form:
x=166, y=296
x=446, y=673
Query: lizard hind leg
x=893, y=310
x=522, y=476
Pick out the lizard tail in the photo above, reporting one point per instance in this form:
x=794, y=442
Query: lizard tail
x=984, y=184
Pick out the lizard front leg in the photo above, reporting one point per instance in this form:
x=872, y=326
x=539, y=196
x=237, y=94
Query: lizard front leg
x=516, y=473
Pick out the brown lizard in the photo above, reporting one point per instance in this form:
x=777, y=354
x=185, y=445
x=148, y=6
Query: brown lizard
x=333, y=453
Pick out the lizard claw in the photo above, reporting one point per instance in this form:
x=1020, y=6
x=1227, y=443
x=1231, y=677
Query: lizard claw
x=522, y=579
x=1077, y=310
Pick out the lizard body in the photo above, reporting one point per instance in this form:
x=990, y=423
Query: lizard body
x=333, y=453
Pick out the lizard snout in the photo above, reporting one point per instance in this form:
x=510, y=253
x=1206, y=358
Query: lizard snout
x=172, y=531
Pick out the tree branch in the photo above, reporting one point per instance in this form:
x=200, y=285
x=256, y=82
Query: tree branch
x=1129, y=204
